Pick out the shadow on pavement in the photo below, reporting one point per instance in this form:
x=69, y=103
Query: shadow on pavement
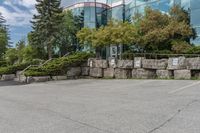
x=10, y=83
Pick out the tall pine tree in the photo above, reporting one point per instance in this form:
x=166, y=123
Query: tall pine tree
x=4, y=37
x=46, y=25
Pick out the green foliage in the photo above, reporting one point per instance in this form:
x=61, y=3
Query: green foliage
x=152, y=32
x=68, y=29
x=180, y=47
x=17, y=67
x=11, y=56
x=46, y=25
x=3, y=64
x=59, y=66
x=194, y=50
x=158, y=31
x=22, y=53
x=4, y=37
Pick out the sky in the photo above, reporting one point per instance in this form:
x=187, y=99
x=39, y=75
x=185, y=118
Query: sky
x=18, y=14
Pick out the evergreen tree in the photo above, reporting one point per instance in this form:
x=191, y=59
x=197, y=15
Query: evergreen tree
x=46, y=25
x=4, y=37
x=68, y=29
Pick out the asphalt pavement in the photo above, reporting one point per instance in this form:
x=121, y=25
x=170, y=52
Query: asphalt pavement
x=101, y=106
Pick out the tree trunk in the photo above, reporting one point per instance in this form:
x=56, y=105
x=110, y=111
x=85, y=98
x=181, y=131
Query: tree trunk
x=49, y=49
x=98, y=55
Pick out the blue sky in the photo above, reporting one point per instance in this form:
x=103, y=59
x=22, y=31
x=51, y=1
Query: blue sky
x=18, y=14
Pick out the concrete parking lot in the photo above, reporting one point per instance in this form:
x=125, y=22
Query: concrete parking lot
x=101, y=106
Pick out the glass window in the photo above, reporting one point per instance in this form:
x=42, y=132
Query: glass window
x=195, y=4
x=89, y=17
x=164, y=6
x=195, y=17
x=117, y=12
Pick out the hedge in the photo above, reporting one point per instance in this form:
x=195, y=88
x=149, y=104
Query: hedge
x=59, y=66
x=18, y=67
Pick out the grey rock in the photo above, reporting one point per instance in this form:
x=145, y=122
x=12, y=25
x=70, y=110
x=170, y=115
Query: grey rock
x=125, y=64
x=85, y=71
x=122, y=73
x=164, y=74
x=112, y=62
x=138, y=62
x=97, y=63
x=101, y=63
x=18, y=73
x=64, y=77
x=74, y=71
x=177, y=63
x=182, y=74
x=39, y=79
x=109, y=72
x=193, y=63
x=21, y=78
x=143, y=73
x=154, y=63
x=29, y=80
x=7, y=77
x=91, y=62
x=96, y=72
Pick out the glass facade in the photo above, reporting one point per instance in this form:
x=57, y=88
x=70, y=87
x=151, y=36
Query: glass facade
x=98, y=14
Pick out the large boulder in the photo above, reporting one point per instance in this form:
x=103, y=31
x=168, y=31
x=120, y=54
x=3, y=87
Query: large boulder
x=97, y=63
x=21, y=78
x=96, y=72
x=109, y=73
x=112, y=62
x=90, y=62
x=193, y=63
x=125, y=64
x=7, y=77
x=177, y=63
x=39, y=79
x=74, y=71
x=182, y=74
x=62, y=77
x=143, y=73
x=164, y=74
x=154, y=63
x=138, y=62
x=122, y=73
x=85, y=71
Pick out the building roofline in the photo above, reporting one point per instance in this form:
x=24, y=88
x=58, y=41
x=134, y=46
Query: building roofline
x=85, y=3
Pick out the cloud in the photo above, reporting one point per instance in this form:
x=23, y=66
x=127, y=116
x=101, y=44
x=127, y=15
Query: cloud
x=25, y=3
x=18, y=12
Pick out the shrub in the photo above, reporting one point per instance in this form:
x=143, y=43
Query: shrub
x=59, y=66
x=18, y=67
x=3, y=63
x=194, y=50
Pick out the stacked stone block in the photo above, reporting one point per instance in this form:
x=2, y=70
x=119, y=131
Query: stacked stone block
x=176, y=67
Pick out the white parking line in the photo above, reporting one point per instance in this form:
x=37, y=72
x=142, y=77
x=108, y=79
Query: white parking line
x=185, y=87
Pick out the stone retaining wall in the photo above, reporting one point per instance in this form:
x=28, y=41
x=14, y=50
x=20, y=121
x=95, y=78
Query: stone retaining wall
x=140, y=68
x=177, y=68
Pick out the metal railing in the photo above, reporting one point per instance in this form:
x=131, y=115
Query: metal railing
x=47, y=61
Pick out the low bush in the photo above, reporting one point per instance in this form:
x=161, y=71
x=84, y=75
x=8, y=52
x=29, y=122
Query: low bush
x=18, y=67
x=3, y=63
x=59, y=66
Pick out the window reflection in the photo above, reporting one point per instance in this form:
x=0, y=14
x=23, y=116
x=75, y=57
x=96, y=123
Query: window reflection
x=115, y=9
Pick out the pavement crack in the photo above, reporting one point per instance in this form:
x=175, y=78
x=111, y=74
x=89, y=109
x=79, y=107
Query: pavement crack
x=172, y=117
x=79, y=122
x=57, y=114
